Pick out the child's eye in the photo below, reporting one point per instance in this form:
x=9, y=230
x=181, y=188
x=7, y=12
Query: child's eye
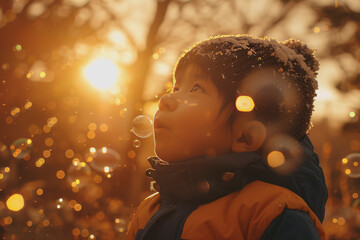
x=196, y=86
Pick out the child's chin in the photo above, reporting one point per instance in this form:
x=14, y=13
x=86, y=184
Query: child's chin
x=164, y=154
x=164, y=157
x=159, y=151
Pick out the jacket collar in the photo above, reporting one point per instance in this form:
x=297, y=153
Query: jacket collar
x=201, y=180
x=179, y=180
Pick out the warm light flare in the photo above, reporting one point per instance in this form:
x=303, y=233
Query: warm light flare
x=15, y=202
x=244, y=104
x=275, y=159
x=102, y=73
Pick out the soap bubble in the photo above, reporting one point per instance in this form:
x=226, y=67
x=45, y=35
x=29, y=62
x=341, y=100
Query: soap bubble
x=21, y=148
x=104, y=159
x=283, y=154
x=120, y=225
x=142, y=126
x=136, y=143
x=78, y=174
x=351, y=165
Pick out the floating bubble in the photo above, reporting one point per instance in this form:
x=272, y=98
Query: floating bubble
x=120, y=225
x=142, y=126
x=21, y=148
x=78, y=174
x=283, y=153
x=104, y=159
x=351, y=165
x=136, y=143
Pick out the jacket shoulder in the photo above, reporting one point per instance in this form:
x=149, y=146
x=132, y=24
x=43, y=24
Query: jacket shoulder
x=150, y=202
x=143, y=213
x=246, y=213
x=270, y=201
x=147, y=208
x=291, y=224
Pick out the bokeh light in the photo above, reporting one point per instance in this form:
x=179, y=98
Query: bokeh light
x=15, y=202
x=284, y=153
x=78, y=174
x=120, y=225
x=60, y=174
x=275, y=159
x=351, y=165
x=4, y=177
x=244, y=104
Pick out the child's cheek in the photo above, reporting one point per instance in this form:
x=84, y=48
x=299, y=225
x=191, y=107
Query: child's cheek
x=195, y=120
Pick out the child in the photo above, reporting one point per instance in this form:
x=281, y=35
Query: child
x=235, y=99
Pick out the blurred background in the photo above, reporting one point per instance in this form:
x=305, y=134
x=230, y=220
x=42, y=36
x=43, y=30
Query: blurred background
x=80, y=82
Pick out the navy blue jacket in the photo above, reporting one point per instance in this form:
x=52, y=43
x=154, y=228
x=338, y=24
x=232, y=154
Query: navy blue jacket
x=180, y=197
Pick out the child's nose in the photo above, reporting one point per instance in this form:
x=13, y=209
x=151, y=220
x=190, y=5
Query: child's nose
x=167, y=102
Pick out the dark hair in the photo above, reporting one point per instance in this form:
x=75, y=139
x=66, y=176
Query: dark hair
x=228, y=59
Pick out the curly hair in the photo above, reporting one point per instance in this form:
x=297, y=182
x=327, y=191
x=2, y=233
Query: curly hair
x=228, y=59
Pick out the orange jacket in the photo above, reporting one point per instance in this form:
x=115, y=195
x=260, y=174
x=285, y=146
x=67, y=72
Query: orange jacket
x=244, y=214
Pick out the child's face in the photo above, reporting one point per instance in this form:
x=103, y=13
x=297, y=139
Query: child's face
x=186, y=123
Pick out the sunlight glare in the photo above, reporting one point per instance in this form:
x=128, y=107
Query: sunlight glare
x=102, y=73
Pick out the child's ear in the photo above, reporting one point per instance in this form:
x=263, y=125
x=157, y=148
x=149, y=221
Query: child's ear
x=248, y=136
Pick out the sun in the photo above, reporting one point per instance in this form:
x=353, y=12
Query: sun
x=101, y=73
